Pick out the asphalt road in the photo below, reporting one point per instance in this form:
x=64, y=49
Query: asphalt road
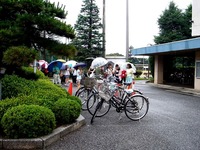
x=172, y=123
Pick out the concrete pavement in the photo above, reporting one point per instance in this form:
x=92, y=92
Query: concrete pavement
x=183, y=90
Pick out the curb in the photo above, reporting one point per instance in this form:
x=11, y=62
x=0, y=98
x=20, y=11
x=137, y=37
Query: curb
x=182, y=90
x=44, y=141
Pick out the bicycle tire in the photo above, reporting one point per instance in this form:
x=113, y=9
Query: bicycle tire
x=94, y=99
x=136, y=107
x=79, y=90
x=83, y=95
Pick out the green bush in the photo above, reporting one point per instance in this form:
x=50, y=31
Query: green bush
x=19, y=56
x=66, y=111
x=12, y=86
x=75, y=99
x=28, y=73
x=28, y=121
x=138, y=73
x=20, y=100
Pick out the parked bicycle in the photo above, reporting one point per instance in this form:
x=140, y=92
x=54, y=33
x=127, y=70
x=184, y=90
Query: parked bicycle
x=89, y=86
x=135, y=106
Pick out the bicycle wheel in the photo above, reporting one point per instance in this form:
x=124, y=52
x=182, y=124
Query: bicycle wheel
x=83, y=95
x=79, y=90
x=136, y=107
x=92, y=103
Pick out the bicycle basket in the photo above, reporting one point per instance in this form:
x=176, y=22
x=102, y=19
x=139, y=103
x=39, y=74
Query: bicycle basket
x=104, y=92
x=88, y=82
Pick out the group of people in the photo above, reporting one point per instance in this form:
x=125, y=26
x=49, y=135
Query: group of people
x=64, y=75
x=110, y=72
x=115, y=73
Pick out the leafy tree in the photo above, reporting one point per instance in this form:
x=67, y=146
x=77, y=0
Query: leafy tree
x=174, y=24
x=88, y=39
x=34, y=24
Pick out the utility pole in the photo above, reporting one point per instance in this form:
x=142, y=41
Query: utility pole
x=127, y=30
x=104, y=28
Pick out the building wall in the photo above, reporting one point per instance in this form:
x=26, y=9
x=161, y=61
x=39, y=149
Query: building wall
x=197, y=80
x=158, y=69
x=196, y=18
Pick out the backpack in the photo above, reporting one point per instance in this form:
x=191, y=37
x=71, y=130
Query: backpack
x=123, y=74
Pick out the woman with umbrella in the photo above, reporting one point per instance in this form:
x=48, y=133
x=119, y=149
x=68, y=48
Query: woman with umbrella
x=79, y=76
x=56, y=74
x=66, y=73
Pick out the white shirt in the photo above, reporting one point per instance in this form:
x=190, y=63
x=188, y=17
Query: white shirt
x=66, y=72
x=74, y=72
x=78, y=75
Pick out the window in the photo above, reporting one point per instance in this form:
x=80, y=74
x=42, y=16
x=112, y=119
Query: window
x=198, y=69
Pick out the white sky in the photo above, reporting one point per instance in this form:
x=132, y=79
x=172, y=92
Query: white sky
x=143, y=16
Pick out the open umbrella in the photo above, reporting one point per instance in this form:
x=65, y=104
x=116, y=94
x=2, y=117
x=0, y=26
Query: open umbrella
x=123, y=65
x=70, y=63
x=80, y=65
x=51, y=64
x=42, y=63
x=98, y=62
x=61, y=60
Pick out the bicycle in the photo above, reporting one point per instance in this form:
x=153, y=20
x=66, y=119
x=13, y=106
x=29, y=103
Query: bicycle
x=97, y=95
x=89, y=87
x=135, y=107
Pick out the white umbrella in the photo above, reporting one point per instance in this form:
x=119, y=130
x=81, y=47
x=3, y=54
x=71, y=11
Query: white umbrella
x=123, y=65
x=98, y=62
x=70, y=63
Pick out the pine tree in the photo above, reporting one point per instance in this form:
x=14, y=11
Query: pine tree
x=25, y=22
x=88, y=39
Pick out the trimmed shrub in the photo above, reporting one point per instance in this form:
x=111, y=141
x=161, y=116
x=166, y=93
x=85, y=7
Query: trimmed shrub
x=28, y=73
x=20, y=100
x=12, y=86
x=19, y=56
x=138, y=73
x=28, y=121
x=75, y=99
x=66, y=111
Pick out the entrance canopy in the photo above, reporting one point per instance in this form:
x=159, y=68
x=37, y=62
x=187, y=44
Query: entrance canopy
x=178, y=46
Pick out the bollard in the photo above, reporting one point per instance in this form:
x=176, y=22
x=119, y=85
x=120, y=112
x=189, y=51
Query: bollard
x=70, y=89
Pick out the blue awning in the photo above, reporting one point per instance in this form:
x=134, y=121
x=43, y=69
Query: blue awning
x=190, y=44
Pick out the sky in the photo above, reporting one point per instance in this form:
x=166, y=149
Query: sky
x=143, y=16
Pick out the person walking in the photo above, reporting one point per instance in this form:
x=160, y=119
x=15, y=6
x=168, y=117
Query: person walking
x=56, y=74
x=117, y=74
x=79, y=77
x=74, y=76
x=66, y=74
x=109, y=73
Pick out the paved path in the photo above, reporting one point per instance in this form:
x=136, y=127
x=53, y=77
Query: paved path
x=172, y=123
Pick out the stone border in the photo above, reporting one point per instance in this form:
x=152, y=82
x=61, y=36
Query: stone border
x=44, y=141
